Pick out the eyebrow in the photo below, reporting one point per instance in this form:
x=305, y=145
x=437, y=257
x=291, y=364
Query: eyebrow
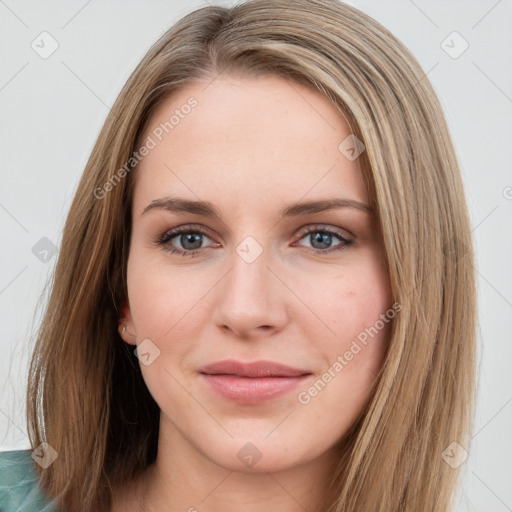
x=206, y=209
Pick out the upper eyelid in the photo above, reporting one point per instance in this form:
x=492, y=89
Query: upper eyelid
x=323, y=227
x=186, y=229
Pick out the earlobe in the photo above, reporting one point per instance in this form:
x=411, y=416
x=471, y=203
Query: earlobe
x=125, y=328
x=126, y=334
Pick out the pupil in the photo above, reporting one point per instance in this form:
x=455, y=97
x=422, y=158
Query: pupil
x=324, y=238
x=185, y=239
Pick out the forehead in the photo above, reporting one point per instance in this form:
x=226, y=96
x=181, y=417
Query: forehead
x=250, y=139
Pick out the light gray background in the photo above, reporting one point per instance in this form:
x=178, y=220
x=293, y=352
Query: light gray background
x=52, y=110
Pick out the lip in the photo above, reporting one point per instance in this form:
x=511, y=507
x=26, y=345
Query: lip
x=254, y=369
x=252, y=383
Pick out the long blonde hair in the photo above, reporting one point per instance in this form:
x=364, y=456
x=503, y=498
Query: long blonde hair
x=86, y=396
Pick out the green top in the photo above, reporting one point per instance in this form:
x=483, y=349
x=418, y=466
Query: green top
x=19, y=486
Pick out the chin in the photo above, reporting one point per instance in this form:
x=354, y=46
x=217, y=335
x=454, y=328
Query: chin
x=260, y=454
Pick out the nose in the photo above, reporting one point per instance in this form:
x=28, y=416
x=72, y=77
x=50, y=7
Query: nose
x=251, y=299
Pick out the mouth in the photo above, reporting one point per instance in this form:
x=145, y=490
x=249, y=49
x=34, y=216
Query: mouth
x=252, y=383
x=256, y=369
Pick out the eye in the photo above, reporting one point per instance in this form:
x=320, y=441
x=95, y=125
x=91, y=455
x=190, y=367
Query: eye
x=321, y=237
x=189, y=238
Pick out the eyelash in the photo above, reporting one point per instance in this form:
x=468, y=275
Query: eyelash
x=164, y=239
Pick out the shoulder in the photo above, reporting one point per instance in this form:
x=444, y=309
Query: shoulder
x=19, y=487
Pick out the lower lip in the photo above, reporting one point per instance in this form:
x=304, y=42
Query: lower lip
x=250, y=391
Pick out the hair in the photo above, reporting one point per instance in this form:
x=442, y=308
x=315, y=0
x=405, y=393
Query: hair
x=86, y=396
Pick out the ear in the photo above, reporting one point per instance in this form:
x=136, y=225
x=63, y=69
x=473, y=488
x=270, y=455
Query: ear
x=126, y=324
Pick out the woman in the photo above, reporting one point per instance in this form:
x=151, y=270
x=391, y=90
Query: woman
x=264, y=296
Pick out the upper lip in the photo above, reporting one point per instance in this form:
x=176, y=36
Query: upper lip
x=254, y=369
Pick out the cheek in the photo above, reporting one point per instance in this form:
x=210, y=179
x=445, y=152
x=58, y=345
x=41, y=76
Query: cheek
x=159, y=295
x=361, y=316
x=162, y=303
x=358, y=308
x=351, y=300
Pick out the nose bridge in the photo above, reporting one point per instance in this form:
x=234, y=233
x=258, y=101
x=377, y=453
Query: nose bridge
x=249, y=297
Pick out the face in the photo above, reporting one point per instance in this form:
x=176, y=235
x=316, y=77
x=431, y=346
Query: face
x=308, y=289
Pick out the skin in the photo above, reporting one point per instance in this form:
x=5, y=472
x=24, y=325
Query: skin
x=251, y=147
